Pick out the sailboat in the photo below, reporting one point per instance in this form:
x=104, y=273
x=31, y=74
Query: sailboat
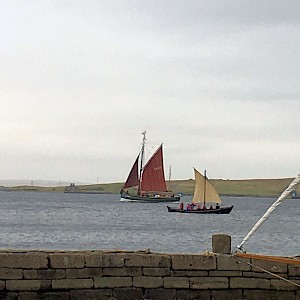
x=146, y=183
x=206, y=199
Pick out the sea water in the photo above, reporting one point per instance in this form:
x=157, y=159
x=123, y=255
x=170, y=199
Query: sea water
x=58, y=221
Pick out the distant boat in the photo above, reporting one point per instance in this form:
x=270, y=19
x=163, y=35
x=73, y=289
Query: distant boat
x=206, y=199
x=146, y=183
x=294, y=195
x=72, y=189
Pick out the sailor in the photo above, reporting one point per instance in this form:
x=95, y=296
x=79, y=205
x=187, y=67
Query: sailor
x=181, y=206
x=217, y=206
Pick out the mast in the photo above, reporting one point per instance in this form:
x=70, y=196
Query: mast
x=204, y=188
x=142, y=158
x=170, y=178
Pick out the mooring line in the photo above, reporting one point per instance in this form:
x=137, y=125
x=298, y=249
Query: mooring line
x=266, y=271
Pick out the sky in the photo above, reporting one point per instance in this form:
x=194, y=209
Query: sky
x=217, y=82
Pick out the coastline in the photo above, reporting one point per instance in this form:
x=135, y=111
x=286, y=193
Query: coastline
x=264, y=188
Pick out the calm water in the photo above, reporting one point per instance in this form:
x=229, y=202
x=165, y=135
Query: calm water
x=33, y=220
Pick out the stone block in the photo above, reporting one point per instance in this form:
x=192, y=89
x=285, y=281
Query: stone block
x=274, y=267
x=113, y=260
x=8, y=273
x=94, y=260
x=112, y=282
x=221, y=243
x=156, y=272
x=102, y=294
x=44, y=296
x=262, y=275
x=176, y=282
x=227, y=295
x=133, y=271
x=231, y=263
x=204, y=283
x=294, y=270
x=24, y=260
x=72, y=284
x=9, y=296
x=148, y=260
x=84, y=273
x=249, y=283
x=188, y=294
x=267, y=295
x=193, y=262
x=66, y=260
x=189, y=273
x=225, y=273
x=44, y=274
x=28, y=285
x=128, y=293
x=277, y=284
x=148, y=282
x=160, y=294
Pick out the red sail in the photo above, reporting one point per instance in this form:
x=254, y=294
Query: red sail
x=133, y=177
x=153, y=178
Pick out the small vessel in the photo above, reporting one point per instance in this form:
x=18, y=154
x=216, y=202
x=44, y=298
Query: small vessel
x=146, y=183
x=206, y=199
x=294, y=195
x=72, y=189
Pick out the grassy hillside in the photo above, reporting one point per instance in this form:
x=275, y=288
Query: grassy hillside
x=250, y=187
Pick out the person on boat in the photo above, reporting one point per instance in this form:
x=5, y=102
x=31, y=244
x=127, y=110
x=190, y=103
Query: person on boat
x=181, y=206
x=198, y=207
x=192, y=206
x=211, y=207
x=203, y=207
x=217, y=206
x=188, y=207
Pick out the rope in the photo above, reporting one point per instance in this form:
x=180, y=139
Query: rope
x=284, y=195
x=266, y=271
x=280, y=259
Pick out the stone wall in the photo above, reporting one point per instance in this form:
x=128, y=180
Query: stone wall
x=88, y=275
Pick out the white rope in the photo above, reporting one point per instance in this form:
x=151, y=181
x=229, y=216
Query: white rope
x=284, y=195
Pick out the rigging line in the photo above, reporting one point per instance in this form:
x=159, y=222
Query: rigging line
x=285, y=194
x=288, y=260
x=266, y=271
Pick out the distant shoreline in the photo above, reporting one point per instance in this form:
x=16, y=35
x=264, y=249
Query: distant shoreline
x=263, y=188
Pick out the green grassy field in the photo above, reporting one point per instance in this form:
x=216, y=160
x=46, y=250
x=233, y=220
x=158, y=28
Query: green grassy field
x=250, y=187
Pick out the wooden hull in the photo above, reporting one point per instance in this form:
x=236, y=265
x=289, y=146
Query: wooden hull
x=130, y=198
x=221, y=210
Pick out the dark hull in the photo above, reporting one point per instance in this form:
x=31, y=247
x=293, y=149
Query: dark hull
x=130, y=198
x=222, y=210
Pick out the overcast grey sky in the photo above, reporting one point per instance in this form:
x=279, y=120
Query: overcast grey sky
x=216, y=81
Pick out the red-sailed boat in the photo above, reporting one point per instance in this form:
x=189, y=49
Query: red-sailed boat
x=147, y=183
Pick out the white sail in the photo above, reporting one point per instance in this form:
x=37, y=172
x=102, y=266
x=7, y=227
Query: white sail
x=282, y=197
x=204, y=190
